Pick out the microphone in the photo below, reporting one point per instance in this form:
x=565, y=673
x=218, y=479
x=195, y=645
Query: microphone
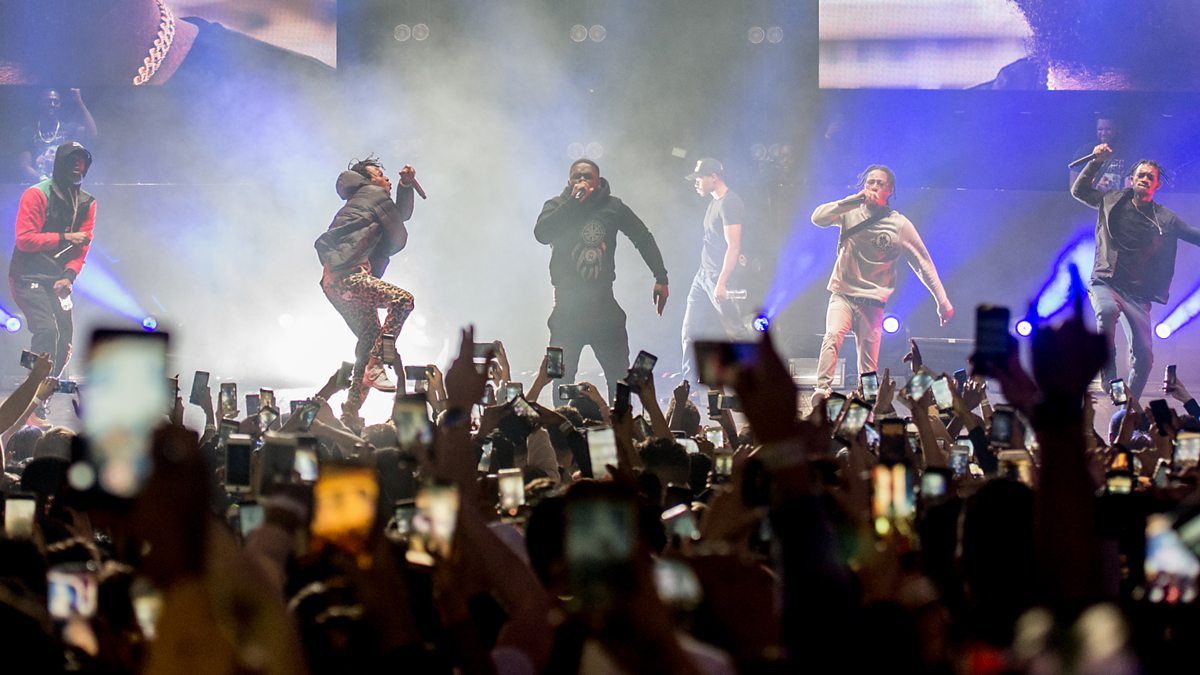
x=1083, y=160
x=416, y=186
x=580, y=194
x=852, y=201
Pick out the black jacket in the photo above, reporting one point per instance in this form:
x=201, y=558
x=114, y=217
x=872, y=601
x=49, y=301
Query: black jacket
x=583, y=239
x=1157, y=283
x=369, y=229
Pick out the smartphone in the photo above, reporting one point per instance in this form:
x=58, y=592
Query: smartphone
x=276, y=460
x=1162, y=474
x=308, y=414
x=714, y=404
x=19, y=510
x=881, y=497
x=253, y=404
x=602, y=446
x=723, y=463
x=1015, y=465
x=73, y=589
x=387, y=349
x=716, y=436
x=416, y=373
x=904, y=498
x=869, y=382
x=892, y=439
x=566, y=392
x=199, y=388
x=67, y=387
x=125, y=401
x=599, y=544
x=344, y=504
x=992, y=340
x=960, y=458
x=677, y=584
x=402, y=518
x=345, y=372
x=306, y=464
x=853, y=419
x=690, y=445
x=933, y=483
x=1161, y=411
x=919, y=383
x=485, y=457
x=433, y=524
x=410, y=414
x=489, y=395
x=512, y=390
x=238, y=449
x=1003, y=421
x=834, y=405
x=729, y=402
x=250, y=518
x=512, y=490
x=1171, y=568
x=942, y=395
x=621, y=401
x=680, y=524
x=643, y=366
x=266, y=398
x=718, y=362
x=1171, y=380
x=267, y=416
x=554, y=362
x=1116, y=391
x=482, y=349
x=1187, y=451
x=960, y=378
x=227, y=401
x=225, y=428
x=28, y=358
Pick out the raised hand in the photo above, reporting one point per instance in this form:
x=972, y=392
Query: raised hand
x=768, y=394
x=913, y=357
x=661, y=292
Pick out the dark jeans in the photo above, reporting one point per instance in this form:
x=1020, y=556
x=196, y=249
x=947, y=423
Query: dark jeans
x=706, y=318
x=1112, y=307
x=590, y=317
x=46, y=319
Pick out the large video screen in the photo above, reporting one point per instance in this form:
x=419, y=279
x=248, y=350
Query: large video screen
x=1021, y=45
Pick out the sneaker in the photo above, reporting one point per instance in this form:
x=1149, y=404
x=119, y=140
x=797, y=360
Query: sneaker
x=376, y=377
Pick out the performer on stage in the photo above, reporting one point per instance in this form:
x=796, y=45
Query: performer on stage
x=873, y=237
x=1136, y=239
x=708, y=303
x=580, y=225
x=54, y=226
x=355, y=251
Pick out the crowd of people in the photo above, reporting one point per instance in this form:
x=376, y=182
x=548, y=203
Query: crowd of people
x=602, y=536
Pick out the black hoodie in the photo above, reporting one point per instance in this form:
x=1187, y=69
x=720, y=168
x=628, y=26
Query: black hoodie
x=369, y=229
x=48, y=210
x=583, y=239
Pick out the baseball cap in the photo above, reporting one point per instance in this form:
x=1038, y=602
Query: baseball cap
x=704, y=167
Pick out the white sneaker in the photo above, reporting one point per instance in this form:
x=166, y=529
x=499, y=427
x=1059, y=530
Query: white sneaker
x=376, y=377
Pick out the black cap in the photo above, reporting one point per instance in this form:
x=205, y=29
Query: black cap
x=706, y=167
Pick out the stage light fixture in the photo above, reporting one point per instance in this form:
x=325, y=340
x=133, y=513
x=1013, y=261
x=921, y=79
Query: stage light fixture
x=13, y=324
x=595, y=150
x=575, y=150
x=1163, y=331
x=775, y=35
x=150, y=324
x=756, y=35
x=891, y=325
x=597, y=33
x=761, y=323
x=1024, y=328
x=402, y=32
x=420, y=32
x=1183, y=314
x=578, y=33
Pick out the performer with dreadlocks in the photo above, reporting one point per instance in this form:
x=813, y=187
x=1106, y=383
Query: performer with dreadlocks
x=873, y=237
x=365, y=233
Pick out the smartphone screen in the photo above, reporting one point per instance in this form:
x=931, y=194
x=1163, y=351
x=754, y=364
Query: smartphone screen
x=643, y=365
x=729, y=402
x=489, y=395
x=677, y=584
x=72, y=590
x=237, y=463
x=598, y=546
x=1171, y=380
x=716, y=436
x=433, y=524
x=602, y=446
x=253, y=405
x=266, y=398
x=690, y=445
x=714, y=404
x=723, y=463
x=991, y=337
x=1002, y=428
x=306, y=464
x=870, y=385
x=554, y=362
x=28, y=358
x=933, y=485
x=387, y=349
x=960, y=458
x=904, y=503
x=717, y=362
x=512, y=490
x=892, y=439
x=199, y=387
x=1116, y=390
x=512, y=390
x=125, y=401
x=485, y=457
x=482, y=349
x=919, y=383
x=1187, y=451
x=941, y=394
x=853, y=420
x=566, y=392
x=411, y=416
x=402, y=518
x=834, y=405
x=308, y=414
x=960, y=378
x=250, y=518
x=267, y=417
x=679, y=523
x=1015, y=465
x=344, y=504
x=1161, y=411
x=228, y=400
x=345, y=372
x=18, y=516
x=416, y=373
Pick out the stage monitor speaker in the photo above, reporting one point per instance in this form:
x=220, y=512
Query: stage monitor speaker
x=802, y=352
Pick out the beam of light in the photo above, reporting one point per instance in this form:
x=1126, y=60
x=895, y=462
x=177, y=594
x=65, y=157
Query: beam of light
x=1056, y=293
x=1180, y=316
x=101, y=286
x=10, y=321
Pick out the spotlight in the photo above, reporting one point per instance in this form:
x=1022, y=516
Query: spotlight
x=420, y=32
x=1163, y=331
x=150, y=324
x=578, y=33
x=575, y=150
x=756, y=35
x=402, y=32
x=13, y=324
x=891, y=325
x=774, y=35
x=761, y=323
x=595, y=150
x=598, y=33
x=1024, y=328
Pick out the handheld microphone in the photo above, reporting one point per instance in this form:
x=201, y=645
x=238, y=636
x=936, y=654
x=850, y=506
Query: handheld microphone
x=580, y=194
x=852, y=201
x=416, y=186
x=1083, y=160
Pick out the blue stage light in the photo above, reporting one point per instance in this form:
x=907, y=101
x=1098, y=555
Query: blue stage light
x=150, y=324
x=13, y=324
x=761, y=323
x=891, y=324
x=1163, y=330
x=1024, y=328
